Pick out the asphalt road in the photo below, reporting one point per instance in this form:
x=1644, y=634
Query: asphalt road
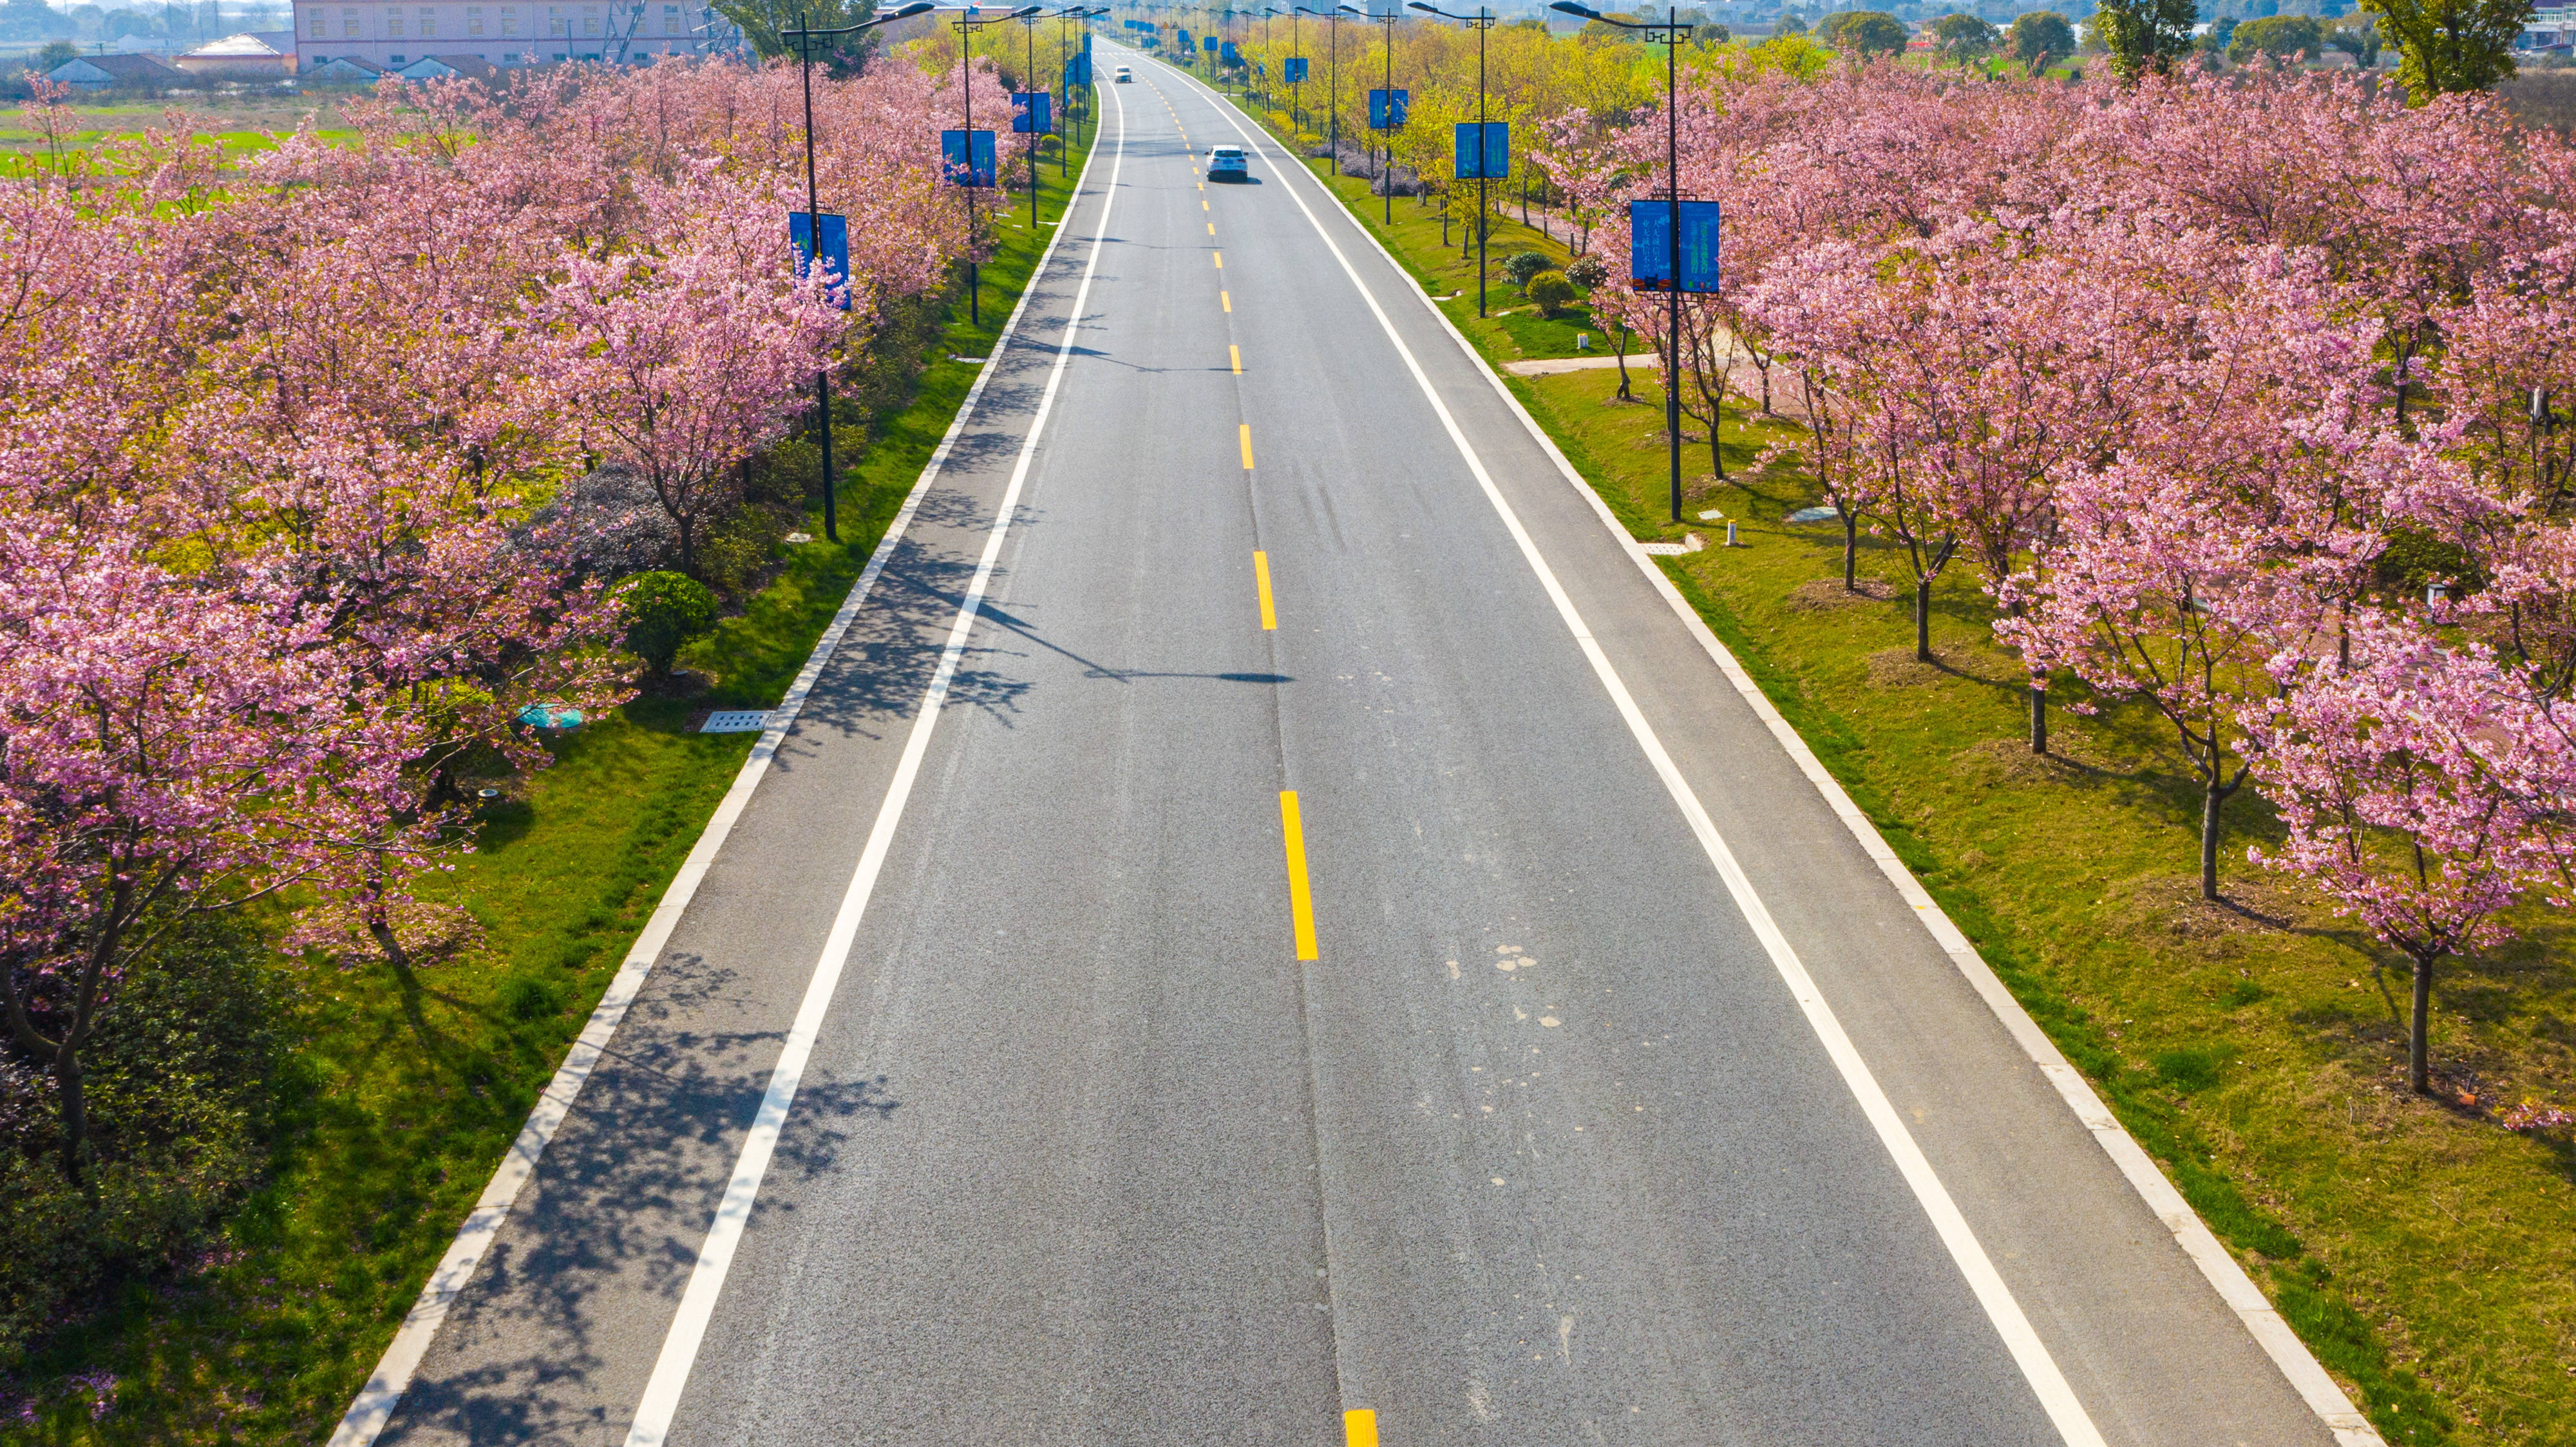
x=1539, y=1146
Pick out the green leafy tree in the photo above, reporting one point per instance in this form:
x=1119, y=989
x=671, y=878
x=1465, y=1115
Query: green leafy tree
x=765, y=22
x=1864, y=33
x=2356, y=36
x=1790, y=24
x=2038, y=39
x=2145, y=35
x=61, y=52
x=2278, y=36
x=1963, y=38
x=2445, y=46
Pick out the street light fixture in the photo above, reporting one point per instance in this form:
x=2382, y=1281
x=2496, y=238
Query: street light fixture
x=1672, y=29
x=1481, y=22
x=966, y=22
x=805, y=38
x=1333, y=25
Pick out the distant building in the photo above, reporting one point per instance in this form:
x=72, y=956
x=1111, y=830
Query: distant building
x=259, y=50
x=342, y=70
x=390, y=37
x=448, y=67
x=98, y=72
x=2550, y=29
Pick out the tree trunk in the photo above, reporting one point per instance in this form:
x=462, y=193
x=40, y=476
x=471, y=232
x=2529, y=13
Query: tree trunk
x=1716, y=420
x=2211, y=799
x=2419, y=1052
x=1923, y=620
x=75, y=1107
x=1623, y=364
x=2038, y=716
x=1851, y=551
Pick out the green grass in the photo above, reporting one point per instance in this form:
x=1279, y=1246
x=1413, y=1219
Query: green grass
x=405, y=1091
x=2427, y=1256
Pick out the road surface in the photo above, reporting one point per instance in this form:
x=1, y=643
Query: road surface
x=1288, y=995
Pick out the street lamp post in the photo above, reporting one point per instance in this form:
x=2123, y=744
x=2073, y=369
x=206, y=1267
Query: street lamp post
x=966, y=23
x=1671, y=27
x=1386, y=179
x=1333, y=46
x=1481, y=21
x=805, y=39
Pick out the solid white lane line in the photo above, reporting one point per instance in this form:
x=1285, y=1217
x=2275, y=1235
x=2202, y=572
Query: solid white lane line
x=375, y=1402
x=653, y=1414
x=2031, y=1355
x=2246, y=1301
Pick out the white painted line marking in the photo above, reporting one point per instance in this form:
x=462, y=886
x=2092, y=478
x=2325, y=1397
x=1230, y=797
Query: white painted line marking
x=2253, y=1310
x=2028, y=1352
x=661, y=1401
x=375, y=1402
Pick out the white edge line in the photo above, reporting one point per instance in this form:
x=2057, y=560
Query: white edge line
x=2260, y=1318
x=661, y=1399
x=375, y=1402
x=2020, y=1340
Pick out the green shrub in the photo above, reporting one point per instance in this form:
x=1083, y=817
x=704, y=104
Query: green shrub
x=1520, y=266
x=1551, y=291
x=1587, y=272
x=663, y=611
x=180, y=1090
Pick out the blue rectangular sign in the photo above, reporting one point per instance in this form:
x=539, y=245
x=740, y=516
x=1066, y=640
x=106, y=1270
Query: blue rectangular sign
x=1491, y=161
x=1207, y=42
x=1185, y=40
x=1077, y=70
x=1387, y=109
x=1650, y=264
x=957, y=167
x=1228, y=54
x=1294, y=70
x=1032, y=113
x=836, y=248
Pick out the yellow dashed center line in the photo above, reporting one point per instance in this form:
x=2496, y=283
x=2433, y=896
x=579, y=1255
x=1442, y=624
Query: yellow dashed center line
x=1211, y=228
x=1227, y=298
x=1237, y=354
x=1261, y=580
x=1301, y=915
x=1219, y=255
x=1243, y=433
x=1359, y=1425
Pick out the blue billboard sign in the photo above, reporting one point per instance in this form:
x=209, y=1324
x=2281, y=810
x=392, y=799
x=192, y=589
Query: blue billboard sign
x=1387, y=109
x=1293, y=70
x=1650, y=262
x=836, y=248
x=1032, y=113
x=966, y=158
x=1490, y=161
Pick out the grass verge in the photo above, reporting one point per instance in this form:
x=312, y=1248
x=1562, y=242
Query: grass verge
x=2254, y=1049
x=405, y=1089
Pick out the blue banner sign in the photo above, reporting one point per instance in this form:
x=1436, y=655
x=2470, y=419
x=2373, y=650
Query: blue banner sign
x=1491, y=161
x=1185, y=41
x=1032, y=113
x=1207, y=42
x=1077, y=70
x=1387, y=109
x=1228, y=55
x=1650, y=262
x=836, y=248
x=1293, y=70
x=966, y=158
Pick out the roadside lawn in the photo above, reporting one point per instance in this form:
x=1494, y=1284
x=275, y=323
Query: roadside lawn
x=403, y=1091
x=2256, y=1049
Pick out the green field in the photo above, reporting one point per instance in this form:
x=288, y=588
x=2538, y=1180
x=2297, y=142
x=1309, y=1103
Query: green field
x=2256, y=1048
x=405, y=1089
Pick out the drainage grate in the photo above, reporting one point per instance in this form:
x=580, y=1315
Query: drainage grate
x=735, y=721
